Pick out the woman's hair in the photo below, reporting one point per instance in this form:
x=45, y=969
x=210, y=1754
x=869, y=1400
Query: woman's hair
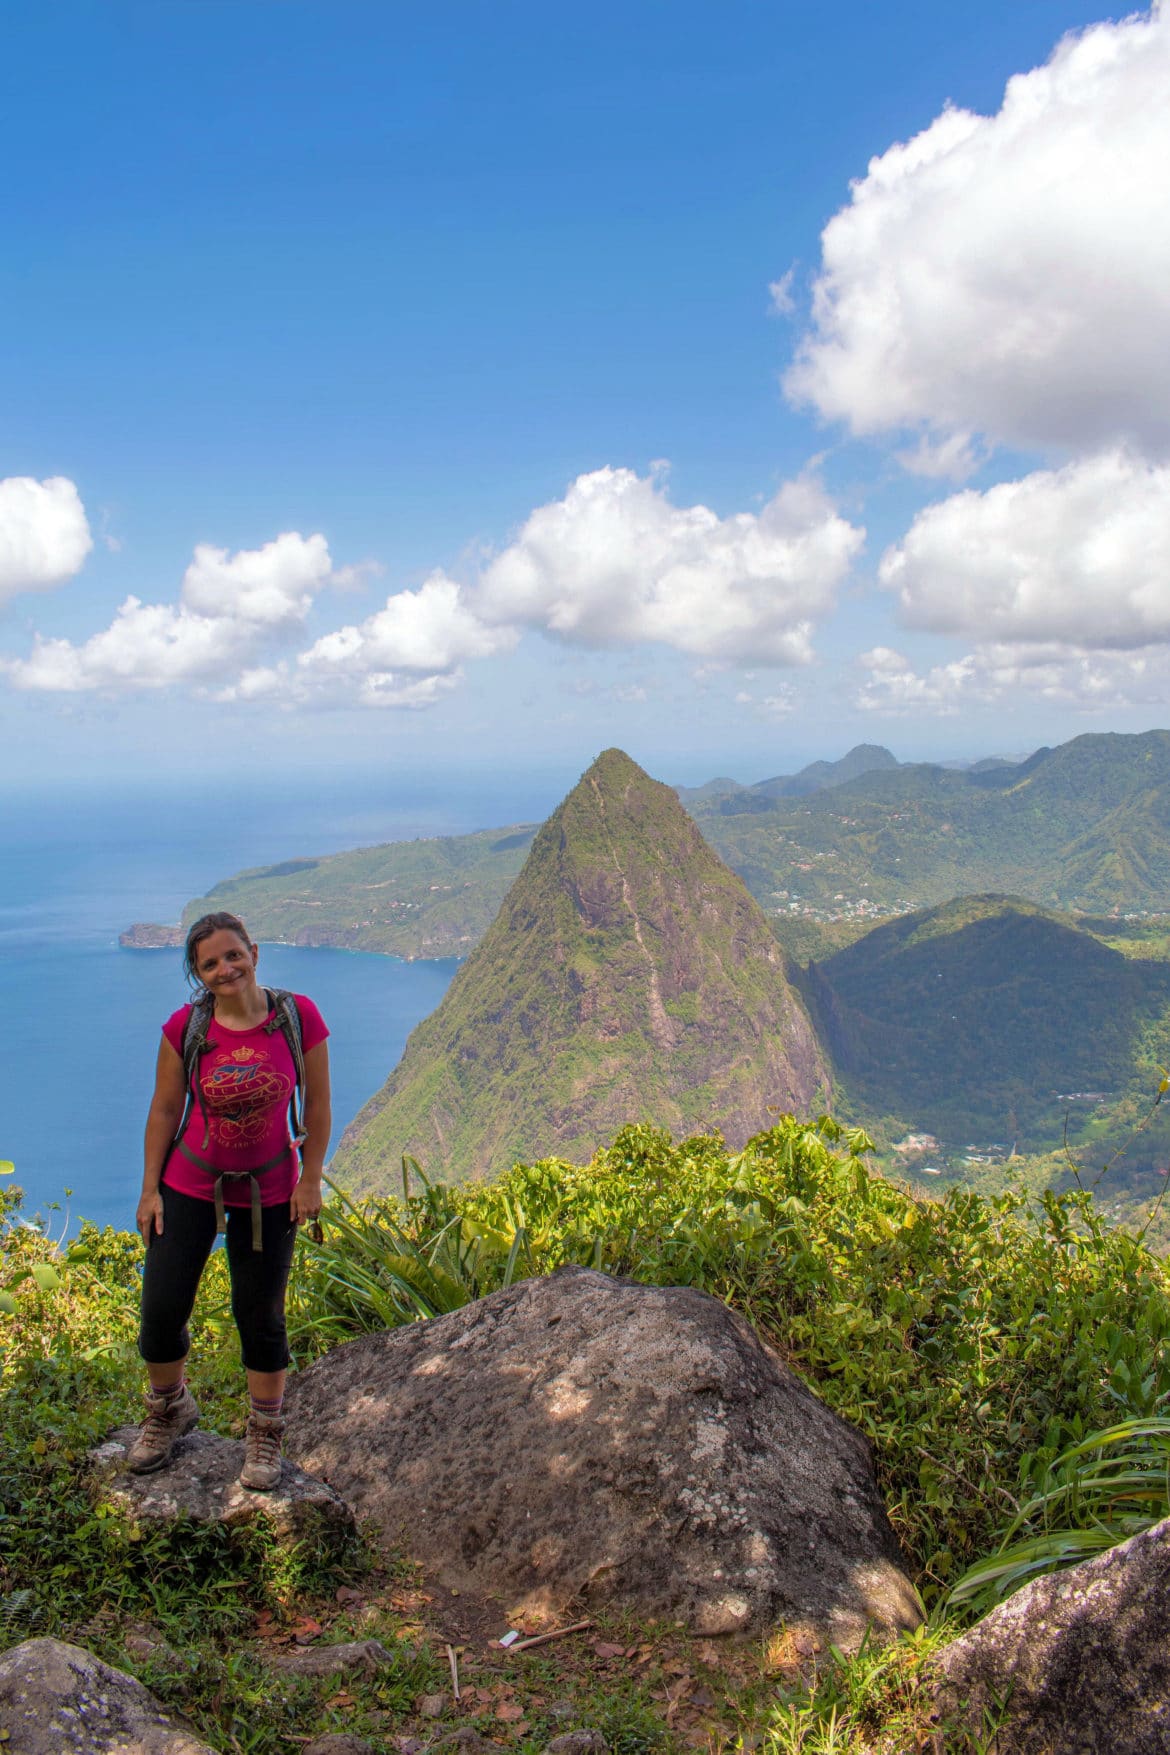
x=203, y=928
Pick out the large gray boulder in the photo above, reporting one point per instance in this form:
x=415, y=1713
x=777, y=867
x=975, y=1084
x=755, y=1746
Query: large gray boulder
x=1081, y=1658
x=584, y=1440
x=57, y=1699
x=201, y=1483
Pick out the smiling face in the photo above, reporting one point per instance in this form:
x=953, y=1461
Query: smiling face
x=226, y=963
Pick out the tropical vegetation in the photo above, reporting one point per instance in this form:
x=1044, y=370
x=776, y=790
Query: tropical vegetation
x=1005, y=1355
x=992, y=1019
x=433, y=897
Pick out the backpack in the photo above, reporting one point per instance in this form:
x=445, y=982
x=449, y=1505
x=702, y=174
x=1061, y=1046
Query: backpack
x=286, y=1018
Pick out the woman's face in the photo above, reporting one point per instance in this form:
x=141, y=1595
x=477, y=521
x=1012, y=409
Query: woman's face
x=225, y=963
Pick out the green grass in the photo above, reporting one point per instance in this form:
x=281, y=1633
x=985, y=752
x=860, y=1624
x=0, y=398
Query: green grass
x=1110, y=1486
x=878, y=1701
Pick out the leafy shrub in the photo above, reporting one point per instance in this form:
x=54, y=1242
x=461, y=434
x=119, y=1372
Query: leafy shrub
x=973, y=1339
x=381, y=1264
x=1110, y=1486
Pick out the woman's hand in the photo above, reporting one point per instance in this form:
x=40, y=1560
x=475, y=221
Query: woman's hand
x=166, y=1109
x=149, y=1216
x=305, y=1202
x=305, y=1205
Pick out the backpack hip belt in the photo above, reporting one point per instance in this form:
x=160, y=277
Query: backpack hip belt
x=253, y=1176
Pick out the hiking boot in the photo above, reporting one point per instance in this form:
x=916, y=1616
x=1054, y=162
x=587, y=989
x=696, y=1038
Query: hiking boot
x=167, y=1419
x=262, y=1464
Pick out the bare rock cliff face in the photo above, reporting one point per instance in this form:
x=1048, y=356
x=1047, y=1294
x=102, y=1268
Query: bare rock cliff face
x=629, y=976
x=579, y=1440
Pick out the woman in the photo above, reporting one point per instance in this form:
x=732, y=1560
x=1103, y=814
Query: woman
x=220, y=1144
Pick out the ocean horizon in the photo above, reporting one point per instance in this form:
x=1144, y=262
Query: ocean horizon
x=83, y=1014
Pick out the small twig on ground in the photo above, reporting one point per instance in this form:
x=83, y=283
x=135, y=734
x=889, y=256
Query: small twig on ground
x=453, y=1660
x=544, y=1638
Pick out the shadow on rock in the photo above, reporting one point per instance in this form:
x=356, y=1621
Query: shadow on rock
x=583, y=1440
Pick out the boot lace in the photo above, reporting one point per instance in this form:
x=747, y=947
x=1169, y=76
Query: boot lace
x=156, y=1433
x=262, y=1443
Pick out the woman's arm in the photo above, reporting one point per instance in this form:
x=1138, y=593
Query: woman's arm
x=163, y=1117
x=306, y=1196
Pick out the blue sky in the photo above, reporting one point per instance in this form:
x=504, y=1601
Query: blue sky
x=437, y=387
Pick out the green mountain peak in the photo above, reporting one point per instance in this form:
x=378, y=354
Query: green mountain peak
x=613, y=767
x=628, y=976
x=976, y=1019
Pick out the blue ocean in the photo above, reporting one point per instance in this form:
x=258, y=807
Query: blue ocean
x=81, y=1016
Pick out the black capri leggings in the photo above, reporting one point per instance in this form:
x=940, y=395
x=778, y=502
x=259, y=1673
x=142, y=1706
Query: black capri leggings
x=176, y=1260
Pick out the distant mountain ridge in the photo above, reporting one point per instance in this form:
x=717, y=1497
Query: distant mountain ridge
x=1082, y=827
x=865, y=758
x=972, y=1016
x=426, y=898
x=628, y=976
x=815, y=777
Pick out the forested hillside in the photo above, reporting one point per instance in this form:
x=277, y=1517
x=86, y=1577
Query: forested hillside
x=990, y=1019
x=432, y=898
x=627, y=975
x=1084, y=827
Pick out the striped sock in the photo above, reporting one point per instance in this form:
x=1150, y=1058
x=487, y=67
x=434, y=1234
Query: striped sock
x=269, y=1409
x=172, y=1393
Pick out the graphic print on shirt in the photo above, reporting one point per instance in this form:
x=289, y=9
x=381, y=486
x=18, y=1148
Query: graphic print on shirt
x=241, y=1089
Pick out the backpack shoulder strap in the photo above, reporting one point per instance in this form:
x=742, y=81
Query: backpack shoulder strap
x=195, y=1032
x=288, y=1012
x=194, y=1044
x=286, y=1017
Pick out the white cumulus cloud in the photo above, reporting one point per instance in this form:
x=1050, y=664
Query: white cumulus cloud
x=407, y=654
x=615, y=562
x=292, y=685
x=432, y=629
x=956, y=456
x=271, y=586
x=229, y=607
x=44, y=533
x=1006, y=275
x=147, y=645
x=1079, y=555
x=612, y=563
x=1003, y=673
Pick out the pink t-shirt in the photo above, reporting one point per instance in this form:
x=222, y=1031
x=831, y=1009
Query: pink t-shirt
x=248, y=1078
